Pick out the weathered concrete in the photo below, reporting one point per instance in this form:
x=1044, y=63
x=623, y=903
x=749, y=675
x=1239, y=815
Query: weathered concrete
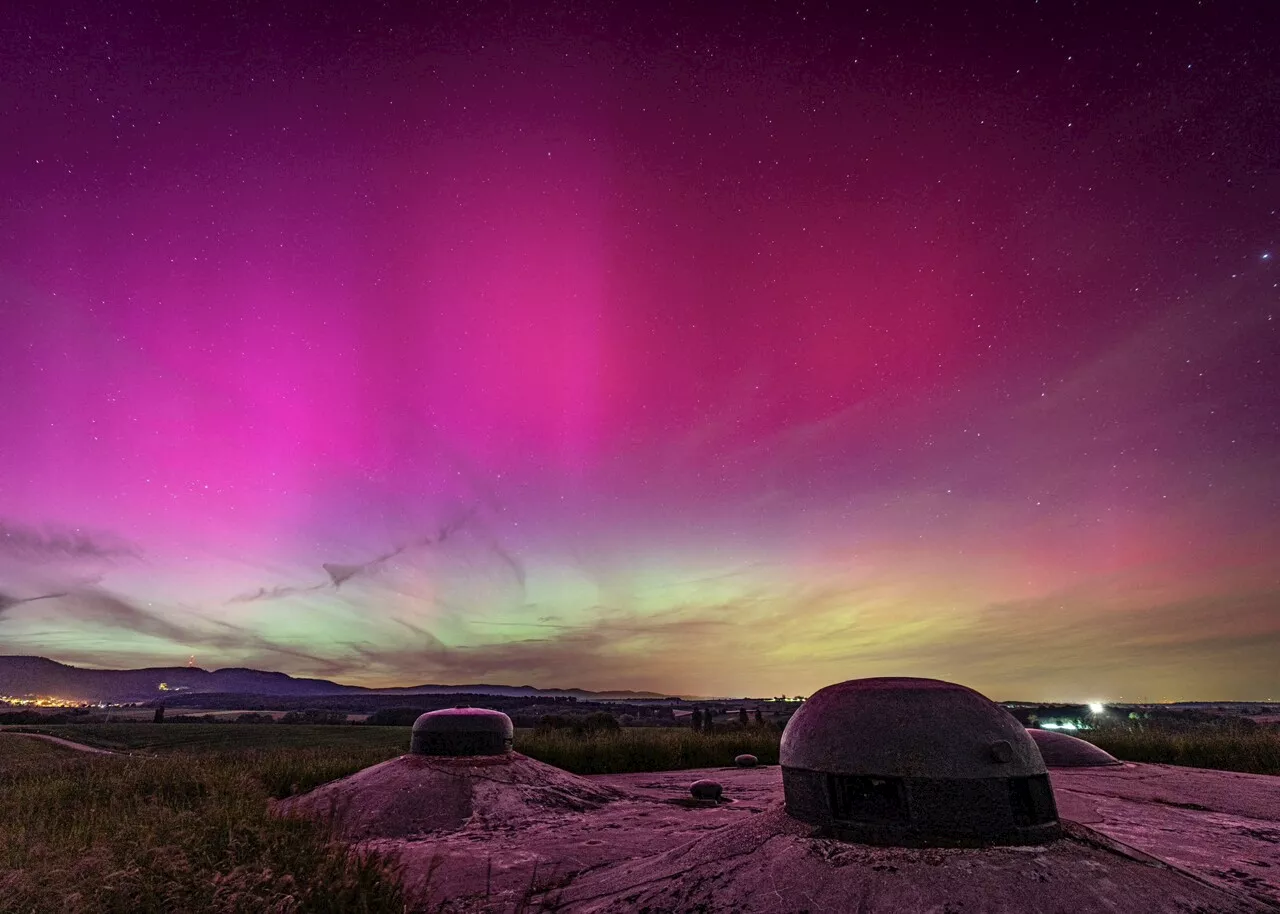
x=1222, y=825
x=1062, y=751
x=771, y=865
x=503, y=836
x=415, y=795
x=461, y=731
x=907, y=728
x=523, y=830
x=915, y=763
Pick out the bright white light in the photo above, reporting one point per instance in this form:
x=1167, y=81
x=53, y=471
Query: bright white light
x=1097, y=707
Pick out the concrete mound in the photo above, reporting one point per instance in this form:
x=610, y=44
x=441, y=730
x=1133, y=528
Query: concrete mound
x=770, y=863
x=1061, y=751
x=418, y=795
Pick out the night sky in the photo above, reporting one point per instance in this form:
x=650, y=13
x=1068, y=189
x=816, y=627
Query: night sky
x=731, y=351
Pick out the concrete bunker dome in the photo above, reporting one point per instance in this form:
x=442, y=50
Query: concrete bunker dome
x=460, y=732
x=1062, y=751
x=915, y=762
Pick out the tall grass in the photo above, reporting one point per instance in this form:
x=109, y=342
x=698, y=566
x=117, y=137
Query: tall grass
x=191, y=833
x=136, y=736
x=187, y=827
x=1225, y=747
x=292, y=757
x=646, y=749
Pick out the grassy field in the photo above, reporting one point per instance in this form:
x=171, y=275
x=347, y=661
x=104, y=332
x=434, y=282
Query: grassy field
x=181, y=737
x=183, y=824
x=177, y=832
x=646, y=749
x=1226, y=748
x=635, y=749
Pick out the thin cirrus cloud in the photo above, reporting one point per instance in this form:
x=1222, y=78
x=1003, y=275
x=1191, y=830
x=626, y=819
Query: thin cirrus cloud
x=51, y=544
x=96, y=610
x=840, y=626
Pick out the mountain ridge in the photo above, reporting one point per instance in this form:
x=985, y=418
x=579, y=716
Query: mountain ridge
x=28, y=675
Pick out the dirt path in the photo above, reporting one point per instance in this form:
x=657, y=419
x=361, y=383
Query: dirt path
x=79, y=747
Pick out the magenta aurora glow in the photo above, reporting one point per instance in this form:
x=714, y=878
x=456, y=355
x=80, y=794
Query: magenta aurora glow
x=728, y=352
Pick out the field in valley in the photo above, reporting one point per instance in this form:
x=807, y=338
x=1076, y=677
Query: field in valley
x=632, y=749
x=179, y=819
x=1251, y=749
x=182, y=737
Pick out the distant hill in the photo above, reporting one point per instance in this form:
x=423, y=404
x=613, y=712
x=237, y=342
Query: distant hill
x=41, y=676
x=20, y=676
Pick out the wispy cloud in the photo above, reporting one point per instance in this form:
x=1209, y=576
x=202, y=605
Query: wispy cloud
x=8, y=601
x=276, y=593
x=1103, y=639
x=184, y=629
x=24, y=543
x=339, y=573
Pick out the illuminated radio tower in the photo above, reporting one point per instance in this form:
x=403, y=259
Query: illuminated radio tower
x=191, y=662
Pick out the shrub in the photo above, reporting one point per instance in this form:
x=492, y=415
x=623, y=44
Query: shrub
x=394, y=717
x=253, y=717
x=32, y=717
x=598, y=722
x=314, y=716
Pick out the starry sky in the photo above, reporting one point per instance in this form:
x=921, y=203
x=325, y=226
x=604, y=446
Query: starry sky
x=737, y=350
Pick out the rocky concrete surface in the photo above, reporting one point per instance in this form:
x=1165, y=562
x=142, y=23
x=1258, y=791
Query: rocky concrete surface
x=1202, y=841
x=773, y=864
x=1222, y=825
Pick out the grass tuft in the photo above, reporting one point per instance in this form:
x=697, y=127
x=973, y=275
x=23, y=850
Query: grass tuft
x=1255, y=750
x=92, y=833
